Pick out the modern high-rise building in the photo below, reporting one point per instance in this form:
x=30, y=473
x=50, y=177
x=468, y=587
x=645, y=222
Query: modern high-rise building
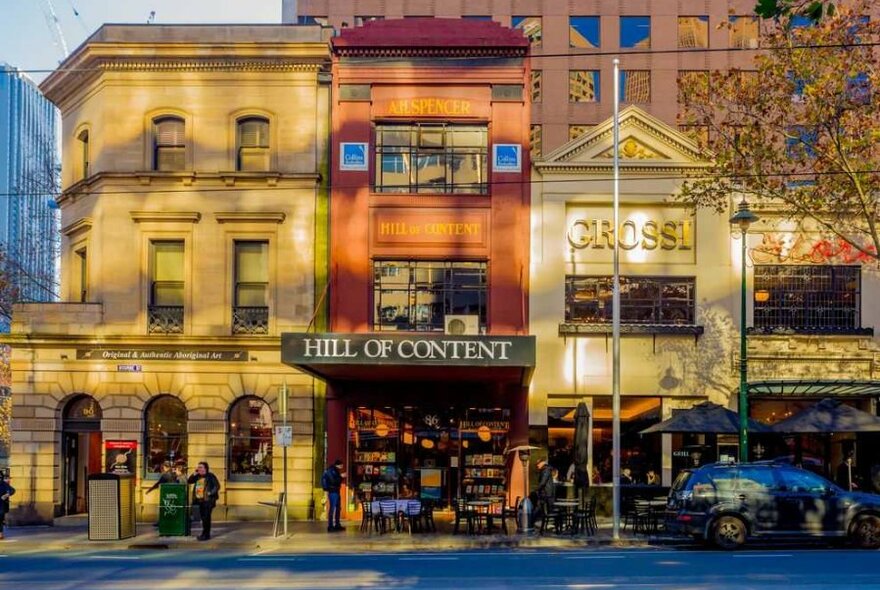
x=29, y=169
x=572, y=84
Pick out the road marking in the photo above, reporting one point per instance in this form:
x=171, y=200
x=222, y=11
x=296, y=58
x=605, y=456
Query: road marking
x=426, y=558
x=114, y=557
x=769, y=556
x=279, y=558
x=594, y=557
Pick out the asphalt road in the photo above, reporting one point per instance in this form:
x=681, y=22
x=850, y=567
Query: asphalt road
x=618, y=569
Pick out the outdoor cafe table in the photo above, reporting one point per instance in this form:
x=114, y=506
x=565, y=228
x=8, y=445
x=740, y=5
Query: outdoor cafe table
x=568, y=506
x=399, y=505
x=484, y=507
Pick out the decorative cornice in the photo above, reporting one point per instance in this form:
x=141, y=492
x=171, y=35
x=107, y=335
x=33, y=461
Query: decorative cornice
x=464, y=53
x=208, y=65
x=81, y=224
x=165, y=216
x=250, y=217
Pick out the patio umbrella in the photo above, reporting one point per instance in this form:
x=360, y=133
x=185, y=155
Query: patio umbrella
x=581, y=438
x=705, y=418
x=827, y=416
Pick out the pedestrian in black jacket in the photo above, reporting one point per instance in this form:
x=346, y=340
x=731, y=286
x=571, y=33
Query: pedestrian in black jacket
x=546, y=488
x=331, y=483
x=6, y=491
x=206, y=490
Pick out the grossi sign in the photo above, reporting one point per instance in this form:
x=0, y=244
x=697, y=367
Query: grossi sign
x=407, y=349
x=666, y=235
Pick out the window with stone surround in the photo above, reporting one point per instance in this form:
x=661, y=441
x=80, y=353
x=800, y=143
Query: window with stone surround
x=166, y=287
x=165, y=421
x=250, y=440
x=169, y=144
x=250, y=313
x=252, y=144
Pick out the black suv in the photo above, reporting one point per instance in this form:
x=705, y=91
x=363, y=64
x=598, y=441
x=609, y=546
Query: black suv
x=728, y=504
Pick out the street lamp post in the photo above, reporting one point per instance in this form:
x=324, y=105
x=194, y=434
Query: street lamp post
x=744, y=217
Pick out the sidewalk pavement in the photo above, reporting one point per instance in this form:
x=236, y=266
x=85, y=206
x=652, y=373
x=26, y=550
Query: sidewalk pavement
x=312, y=537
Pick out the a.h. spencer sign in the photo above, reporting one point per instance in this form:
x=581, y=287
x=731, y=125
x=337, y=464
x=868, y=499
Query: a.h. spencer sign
x=407, y=349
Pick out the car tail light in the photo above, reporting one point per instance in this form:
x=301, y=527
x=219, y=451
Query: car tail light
x=684, y=517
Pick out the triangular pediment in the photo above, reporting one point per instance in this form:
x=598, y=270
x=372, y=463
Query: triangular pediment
x=644, y=140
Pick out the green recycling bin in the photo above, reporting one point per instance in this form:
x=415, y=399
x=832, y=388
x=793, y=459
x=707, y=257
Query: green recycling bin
x=173, y=510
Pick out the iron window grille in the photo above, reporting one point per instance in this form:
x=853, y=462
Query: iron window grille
x=432, y=159
x=417, y=296
x=809, y=299
x=643, y=300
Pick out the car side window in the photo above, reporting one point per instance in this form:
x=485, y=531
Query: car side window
x=803, y=482
x=756, y=479
x=723, y=480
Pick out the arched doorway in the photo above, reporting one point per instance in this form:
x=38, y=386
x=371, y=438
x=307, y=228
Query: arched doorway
x=80, y=451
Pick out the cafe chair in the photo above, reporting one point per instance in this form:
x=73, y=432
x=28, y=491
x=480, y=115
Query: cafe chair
x=463, y=513
x=388, y=515
x=508, y=512
x=427, y=516
x=369, y=521
x=411, y=518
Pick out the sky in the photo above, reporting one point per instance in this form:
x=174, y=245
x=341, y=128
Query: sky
x=27, y=42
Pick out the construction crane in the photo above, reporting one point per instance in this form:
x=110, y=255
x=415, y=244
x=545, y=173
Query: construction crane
x=55, y=27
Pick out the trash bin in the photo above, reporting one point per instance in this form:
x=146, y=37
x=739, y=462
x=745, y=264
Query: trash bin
x=111, y=507
x=173, y=510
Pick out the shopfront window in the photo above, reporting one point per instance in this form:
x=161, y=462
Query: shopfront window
x=432, y=159
x=808, y=298
x=250, y=440
x=436, y=454
x=166, y=436
x=417, y=296
x=643, y=300
x=639, y=454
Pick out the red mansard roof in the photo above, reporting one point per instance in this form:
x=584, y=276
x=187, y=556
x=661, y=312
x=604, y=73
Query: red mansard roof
x=425, y=35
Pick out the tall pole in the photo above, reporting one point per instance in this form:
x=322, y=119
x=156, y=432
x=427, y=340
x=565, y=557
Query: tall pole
x=743, y=405
x=284, y=404
x=615, y=317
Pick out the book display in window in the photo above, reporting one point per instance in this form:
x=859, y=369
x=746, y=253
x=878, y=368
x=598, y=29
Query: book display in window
x=374, y=467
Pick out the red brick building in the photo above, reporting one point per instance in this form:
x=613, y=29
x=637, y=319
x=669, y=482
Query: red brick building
x=427, y=360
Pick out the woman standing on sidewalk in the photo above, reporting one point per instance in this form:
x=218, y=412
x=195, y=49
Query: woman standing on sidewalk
x=206, y=490
x=6, y=490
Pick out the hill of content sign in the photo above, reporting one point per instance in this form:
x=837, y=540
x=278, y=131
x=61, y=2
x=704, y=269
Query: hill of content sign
x=407, y=349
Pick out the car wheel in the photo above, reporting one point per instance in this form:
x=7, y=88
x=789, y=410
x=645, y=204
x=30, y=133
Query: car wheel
x=729, y=532
x=865, y=532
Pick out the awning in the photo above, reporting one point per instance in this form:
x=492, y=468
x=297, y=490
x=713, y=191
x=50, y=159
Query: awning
x=382, y=357
x=827, y=416
x=819, y=388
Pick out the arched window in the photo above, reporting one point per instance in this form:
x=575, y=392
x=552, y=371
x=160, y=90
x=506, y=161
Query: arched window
x=250, y=440
x=252, y=144
x=165, y=421
x=169, y=144
x=83, y=138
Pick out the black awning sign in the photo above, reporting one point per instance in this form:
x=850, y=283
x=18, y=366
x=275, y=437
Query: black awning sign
x=408, y=349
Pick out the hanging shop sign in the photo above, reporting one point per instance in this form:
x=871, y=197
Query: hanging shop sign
x=158, y=354
x=665, y=235
x=121, y=456
x=408, y=349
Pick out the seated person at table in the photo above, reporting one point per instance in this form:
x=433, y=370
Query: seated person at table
x=406, y=492
x=626, y=478
x=652, y=479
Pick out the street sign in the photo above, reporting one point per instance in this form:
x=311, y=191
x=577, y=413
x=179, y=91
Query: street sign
x=129, y=368
x=284, y=436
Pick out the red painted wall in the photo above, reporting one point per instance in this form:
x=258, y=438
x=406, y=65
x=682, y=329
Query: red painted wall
x=421, y=67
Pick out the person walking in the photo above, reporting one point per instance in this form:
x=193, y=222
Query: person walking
x=331, y=483
x=206, y=490
x=6, y=491
x=546, y=488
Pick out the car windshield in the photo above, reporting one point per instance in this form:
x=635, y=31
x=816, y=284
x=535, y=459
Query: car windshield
x=681, y=481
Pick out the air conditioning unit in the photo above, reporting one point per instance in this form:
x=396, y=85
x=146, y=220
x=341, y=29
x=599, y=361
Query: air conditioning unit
x=462, y=325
